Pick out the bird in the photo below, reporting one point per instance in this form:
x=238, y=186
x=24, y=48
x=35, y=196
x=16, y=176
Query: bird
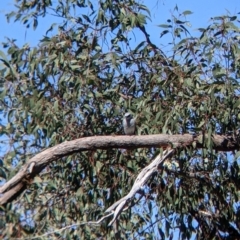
x=129, y=124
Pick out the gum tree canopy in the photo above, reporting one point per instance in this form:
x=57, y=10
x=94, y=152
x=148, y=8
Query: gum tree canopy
x=66, y=171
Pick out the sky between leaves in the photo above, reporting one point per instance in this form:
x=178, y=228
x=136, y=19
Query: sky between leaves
x=161, y=10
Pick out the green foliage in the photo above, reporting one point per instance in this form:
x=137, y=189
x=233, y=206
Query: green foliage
x=79, y=83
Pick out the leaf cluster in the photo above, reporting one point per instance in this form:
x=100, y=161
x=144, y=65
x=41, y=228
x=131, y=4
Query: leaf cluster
x=80, y=81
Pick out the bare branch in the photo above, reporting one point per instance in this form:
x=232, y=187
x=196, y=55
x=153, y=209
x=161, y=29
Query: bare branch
x=36, y=164
x=142, y=178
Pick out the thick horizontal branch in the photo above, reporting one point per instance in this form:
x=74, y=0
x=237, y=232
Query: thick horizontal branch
x=36, y=164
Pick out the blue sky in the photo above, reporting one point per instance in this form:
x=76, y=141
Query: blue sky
x=160, y=11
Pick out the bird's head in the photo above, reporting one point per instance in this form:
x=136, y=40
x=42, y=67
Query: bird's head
x=128, y=115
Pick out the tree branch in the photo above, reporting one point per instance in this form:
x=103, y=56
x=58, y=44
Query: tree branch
x=141, y=179
x=36, y=164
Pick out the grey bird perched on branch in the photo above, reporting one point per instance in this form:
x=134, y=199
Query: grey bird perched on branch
x=129, y=124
